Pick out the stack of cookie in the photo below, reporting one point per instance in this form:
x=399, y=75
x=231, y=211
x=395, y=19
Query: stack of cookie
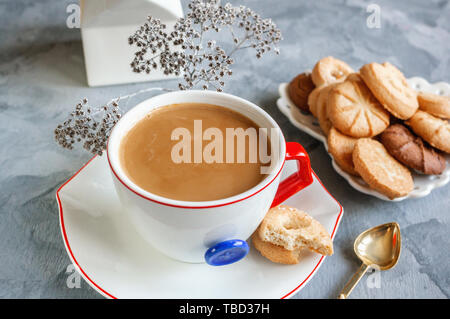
x=286, y=231
x=364, y=115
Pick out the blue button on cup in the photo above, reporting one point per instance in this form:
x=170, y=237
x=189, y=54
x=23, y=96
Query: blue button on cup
x=226, y=252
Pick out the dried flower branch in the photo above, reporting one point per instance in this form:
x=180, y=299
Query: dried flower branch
x=93, y=128
x=188, y=50
x=92, y=125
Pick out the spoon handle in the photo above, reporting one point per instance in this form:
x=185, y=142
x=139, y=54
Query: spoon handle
x=353, y=282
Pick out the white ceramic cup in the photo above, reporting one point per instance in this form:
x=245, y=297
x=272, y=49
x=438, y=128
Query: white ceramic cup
x=184, y=230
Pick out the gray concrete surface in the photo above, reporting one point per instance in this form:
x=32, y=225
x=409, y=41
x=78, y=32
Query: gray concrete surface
x=42, y=77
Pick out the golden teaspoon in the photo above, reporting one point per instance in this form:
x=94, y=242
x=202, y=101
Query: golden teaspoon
x=378, y=246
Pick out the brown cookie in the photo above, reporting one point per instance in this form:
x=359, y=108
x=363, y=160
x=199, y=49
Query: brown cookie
x=380, y=170
x=275, y=253
x=299, y=89
x=354, y=110
x=411, y=151
x=329, y=70
x=341, y=148
x=390, y=87
x=432, y=129
x=434, y=104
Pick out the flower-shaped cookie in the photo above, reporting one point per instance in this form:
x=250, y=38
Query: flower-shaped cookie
x=354, y=110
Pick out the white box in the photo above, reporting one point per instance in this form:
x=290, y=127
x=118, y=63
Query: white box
x=106, y=26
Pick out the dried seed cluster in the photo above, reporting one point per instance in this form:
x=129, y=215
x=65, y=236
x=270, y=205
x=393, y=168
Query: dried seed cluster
x=188, y=50
x=93, y=128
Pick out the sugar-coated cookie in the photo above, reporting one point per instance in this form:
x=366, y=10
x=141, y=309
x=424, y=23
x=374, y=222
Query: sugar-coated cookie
x=299, y=89
x=432, y=129
x=411, y=151
x=354, y=110
x=292, y=229
x=390, y=87
x=380, y=170
x=434, y=104
x=341, y=148
x=329, y=70
x=275, y=253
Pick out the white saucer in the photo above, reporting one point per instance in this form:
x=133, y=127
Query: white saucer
x=118, y=263
x=423, y=184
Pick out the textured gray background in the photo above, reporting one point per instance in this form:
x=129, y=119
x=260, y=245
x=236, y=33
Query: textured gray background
x=42, y=77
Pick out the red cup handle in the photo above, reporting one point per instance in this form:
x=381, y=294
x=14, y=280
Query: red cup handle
x=300, y=179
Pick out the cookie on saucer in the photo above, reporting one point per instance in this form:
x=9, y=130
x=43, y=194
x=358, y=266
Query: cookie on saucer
x=285, y=231
x=434, y=104
x=299, y=89
x=432, y=129
x=275, y=253
x=380, y=170
x=390, y=87
x=411, y=150
x=354, y=110
x=341, y=148
x=329, y=70
x=291, y=229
